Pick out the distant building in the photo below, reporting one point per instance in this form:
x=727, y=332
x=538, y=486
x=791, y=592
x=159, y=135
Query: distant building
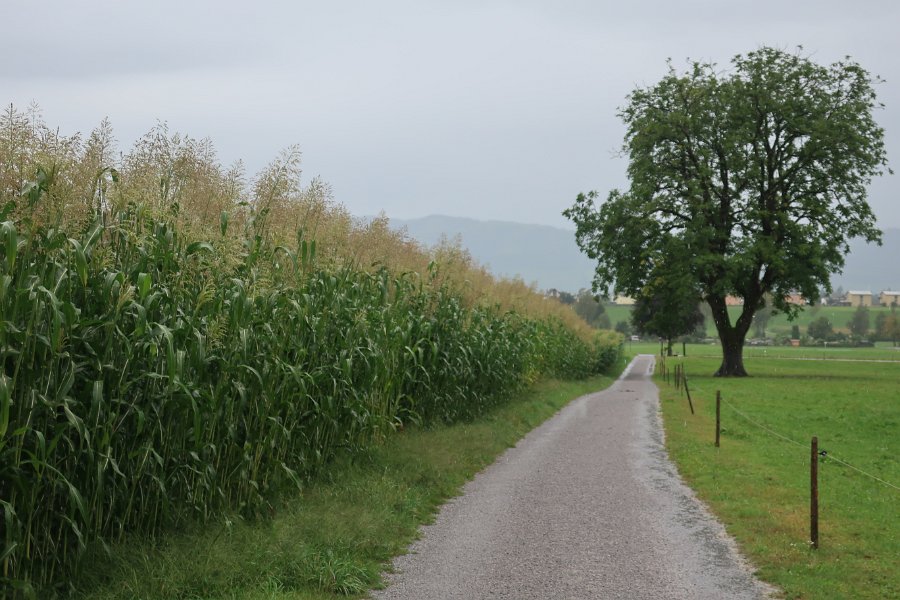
x=796, y=299
x=889, y=298
x=859, y=298
x=624, y=300
x=790, y=299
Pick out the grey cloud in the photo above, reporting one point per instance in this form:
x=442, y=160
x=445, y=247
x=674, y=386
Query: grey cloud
x=489, y=109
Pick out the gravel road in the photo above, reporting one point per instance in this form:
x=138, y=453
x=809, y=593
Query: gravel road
x=585, y=506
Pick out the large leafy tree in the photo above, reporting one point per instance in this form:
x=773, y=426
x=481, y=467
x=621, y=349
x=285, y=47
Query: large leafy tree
x=748, y=181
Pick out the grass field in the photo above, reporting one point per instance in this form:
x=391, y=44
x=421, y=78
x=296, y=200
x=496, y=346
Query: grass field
x=778, y=326
x=758, y=483
x=883, y=351
x=336, y=538
x=839, y=316
x=618, y=313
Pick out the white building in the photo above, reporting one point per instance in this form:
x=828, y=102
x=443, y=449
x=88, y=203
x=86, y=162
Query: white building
x=859, y=298
x=889, y=298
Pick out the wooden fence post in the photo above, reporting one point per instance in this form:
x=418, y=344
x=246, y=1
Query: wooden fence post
x=687, y=390
x=814, y=493
x=718, y=415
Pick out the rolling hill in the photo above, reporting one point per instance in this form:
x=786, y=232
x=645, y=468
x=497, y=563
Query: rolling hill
x=542, y=254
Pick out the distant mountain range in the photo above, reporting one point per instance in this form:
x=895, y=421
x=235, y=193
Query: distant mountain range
x=538, y=254
x=549, y=257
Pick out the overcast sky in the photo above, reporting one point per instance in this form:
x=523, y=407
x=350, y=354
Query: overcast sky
x=491, y=110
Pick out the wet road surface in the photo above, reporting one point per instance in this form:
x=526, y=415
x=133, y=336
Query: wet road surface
x=585, y=506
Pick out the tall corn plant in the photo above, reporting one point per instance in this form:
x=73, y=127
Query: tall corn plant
x=151, y=378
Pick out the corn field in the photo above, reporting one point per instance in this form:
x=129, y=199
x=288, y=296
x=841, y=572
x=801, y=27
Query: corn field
x=164, y=364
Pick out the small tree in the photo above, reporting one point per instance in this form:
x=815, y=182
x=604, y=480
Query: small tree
x=887, y=327
x=880, y=326
x=859, y=322
x=566, y=298
x=667, y=311
x=591, y=310
x=760, y=320
x=795, y=332
x=820, y=328
x=624, y=327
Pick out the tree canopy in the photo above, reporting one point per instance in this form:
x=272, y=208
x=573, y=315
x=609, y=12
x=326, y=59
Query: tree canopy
x=859, y=322
x=591, y=310
x=887, y=328
x=761, y=320
x=667, y=311
x=820, y=328
x=743, y=182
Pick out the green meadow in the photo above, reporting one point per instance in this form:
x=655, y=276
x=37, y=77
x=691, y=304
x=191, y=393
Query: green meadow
x=758, y=481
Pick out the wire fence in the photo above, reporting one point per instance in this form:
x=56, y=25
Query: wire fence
x=680, y=381
x=823, y=453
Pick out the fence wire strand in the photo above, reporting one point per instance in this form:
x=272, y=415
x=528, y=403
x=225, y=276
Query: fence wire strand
x=858, y=470
x=761, y=426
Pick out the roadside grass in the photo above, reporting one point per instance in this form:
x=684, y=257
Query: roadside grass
x=758, y=484
x=335, y=539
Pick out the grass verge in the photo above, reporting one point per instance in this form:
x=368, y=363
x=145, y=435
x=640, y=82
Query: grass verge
x=338, y=536
x=758, y=484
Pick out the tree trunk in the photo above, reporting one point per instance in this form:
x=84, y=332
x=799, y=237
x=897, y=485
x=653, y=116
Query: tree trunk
x=668, y=346
x=731, y=336
x=732, y=355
